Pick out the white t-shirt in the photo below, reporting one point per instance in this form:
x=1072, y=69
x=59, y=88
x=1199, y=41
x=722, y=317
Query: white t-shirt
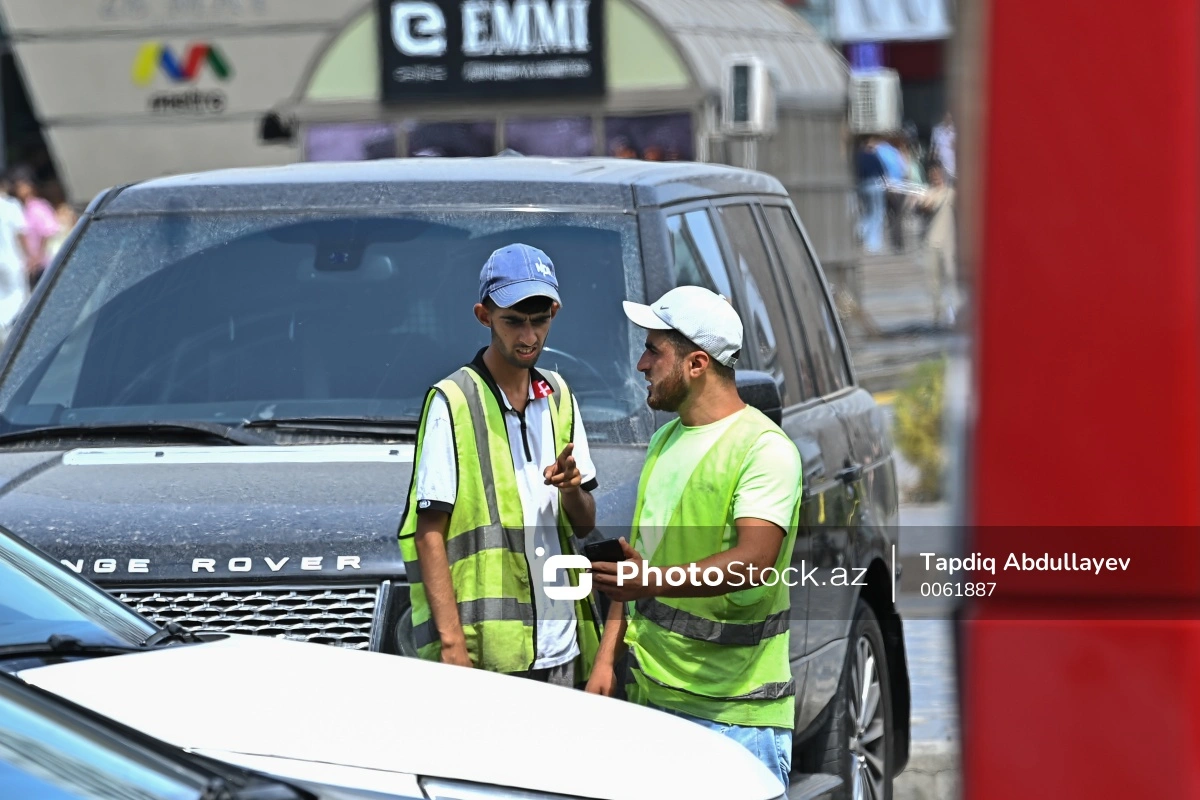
x=437, y=488
x=943, y=140
x=13, y=283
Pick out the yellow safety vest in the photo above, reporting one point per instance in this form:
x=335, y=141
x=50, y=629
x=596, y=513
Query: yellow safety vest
x=485, y=541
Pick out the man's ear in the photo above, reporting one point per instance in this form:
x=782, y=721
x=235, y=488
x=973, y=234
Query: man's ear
x=697, y=362
x=554, y=307
x=483, y=315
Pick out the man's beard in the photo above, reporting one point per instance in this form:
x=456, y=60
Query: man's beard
x=511, y=356
x=670, y=393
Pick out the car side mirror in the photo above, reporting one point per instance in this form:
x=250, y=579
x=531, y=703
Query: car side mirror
x=759, y=389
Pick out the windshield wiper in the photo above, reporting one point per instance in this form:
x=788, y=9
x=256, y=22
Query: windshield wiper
x=173, y=632
x=62, y=645
x=386, y=426
x=230, y=434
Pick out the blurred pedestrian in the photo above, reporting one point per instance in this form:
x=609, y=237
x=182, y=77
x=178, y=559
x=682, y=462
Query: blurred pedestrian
x=40, y=222
x=912, y=138
x=63, y=213
x=913, y=174
x=941, y=253
x=623, y=148
x=14, y=286
x=870, y=195
x=895, y=172
x=942, y=144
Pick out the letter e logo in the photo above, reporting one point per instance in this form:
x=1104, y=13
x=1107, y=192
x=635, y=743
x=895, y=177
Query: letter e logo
x=418, y=28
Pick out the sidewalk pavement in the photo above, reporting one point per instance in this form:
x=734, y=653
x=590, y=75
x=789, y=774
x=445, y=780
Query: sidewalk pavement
x=933, y=771
x=889, y=333
x=891, y=328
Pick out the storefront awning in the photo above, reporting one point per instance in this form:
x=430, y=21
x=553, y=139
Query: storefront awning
x=659, y=52
x=809, y=74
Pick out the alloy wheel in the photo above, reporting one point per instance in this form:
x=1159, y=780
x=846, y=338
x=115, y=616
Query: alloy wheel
x=866, y=715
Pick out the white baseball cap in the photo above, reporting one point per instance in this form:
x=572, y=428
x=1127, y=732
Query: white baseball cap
x=707, y=318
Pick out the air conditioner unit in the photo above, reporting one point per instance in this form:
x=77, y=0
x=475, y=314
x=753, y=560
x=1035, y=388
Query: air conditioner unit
x=875, y=102
x=747, y=97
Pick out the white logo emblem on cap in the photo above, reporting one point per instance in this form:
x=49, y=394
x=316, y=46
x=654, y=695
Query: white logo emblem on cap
x=542, y=268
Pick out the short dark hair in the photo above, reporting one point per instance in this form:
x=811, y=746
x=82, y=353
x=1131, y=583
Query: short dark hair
x=22, y=174
x=682, y=345
x=539, y=304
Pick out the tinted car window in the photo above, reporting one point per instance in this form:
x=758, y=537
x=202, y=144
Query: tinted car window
x=816, y=316
x=38, y=599
x=47, y=757
x=230, y=317
x=698, y=260
x=764, y=320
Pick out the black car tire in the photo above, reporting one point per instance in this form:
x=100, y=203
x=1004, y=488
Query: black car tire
x=840, y=747
x=404, y=632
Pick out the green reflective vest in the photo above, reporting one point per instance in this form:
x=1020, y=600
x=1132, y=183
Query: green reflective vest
x=719, y=658
x=485, y=541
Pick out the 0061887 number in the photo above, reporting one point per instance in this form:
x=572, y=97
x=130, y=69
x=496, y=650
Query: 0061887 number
x=957, y=589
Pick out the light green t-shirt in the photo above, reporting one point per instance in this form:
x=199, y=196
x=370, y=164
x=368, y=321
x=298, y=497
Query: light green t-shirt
x=768, y=485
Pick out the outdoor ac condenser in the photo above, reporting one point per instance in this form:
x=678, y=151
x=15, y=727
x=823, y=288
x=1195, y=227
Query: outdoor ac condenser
x=875, y=102
x=748, y=99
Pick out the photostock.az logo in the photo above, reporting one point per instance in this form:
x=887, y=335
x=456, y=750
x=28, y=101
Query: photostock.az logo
x=550, y=572
x=153, y=56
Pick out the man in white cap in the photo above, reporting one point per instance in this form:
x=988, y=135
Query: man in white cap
x=719, y=503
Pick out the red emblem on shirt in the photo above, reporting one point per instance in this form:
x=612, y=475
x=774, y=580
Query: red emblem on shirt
x=541, y=389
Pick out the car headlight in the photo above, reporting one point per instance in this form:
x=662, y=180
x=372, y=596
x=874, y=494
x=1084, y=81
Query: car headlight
x=439, y=789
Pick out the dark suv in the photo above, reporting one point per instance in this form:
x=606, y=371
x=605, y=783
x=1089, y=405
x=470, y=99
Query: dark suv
x=208, y=407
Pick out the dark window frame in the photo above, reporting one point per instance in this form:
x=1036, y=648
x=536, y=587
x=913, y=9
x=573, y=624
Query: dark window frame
x=826, y=296
x=787, y=297
x=751, y=201
x=706, y=207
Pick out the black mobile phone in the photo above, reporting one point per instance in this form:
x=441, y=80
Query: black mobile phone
x=606, y=550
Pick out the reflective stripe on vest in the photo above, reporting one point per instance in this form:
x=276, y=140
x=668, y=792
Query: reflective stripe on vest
x=683, y=623
x=476, y=541
x=767, y=691
x=473, y=612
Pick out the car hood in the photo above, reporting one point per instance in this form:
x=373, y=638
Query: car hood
x=287, y=706
x=161, y=515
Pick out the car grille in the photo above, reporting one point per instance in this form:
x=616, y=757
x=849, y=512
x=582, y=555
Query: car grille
x=339, y=616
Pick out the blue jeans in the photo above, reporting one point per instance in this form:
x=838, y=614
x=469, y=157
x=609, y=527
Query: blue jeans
x=771, y=746
x=872, y=215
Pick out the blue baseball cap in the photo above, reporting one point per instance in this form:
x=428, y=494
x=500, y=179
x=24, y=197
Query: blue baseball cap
x=515, y=273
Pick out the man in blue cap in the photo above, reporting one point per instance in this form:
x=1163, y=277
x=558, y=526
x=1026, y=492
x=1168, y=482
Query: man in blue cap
x=503, y=479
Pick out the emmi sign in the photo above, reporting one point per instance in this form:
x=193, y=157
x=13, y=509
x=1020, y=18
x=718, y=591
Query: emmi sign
x=494, y=28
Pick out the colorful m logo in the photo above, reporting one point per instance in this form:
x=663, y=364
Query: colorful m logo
x=154, y=55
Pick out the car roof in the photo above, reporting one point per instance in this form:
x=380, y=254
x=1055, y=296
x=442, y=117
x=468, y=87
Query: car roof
x=595, y=183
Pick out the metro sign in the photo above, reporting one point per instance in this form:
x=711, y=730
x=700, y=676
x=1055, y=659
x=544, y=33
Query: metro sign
x=153, y=56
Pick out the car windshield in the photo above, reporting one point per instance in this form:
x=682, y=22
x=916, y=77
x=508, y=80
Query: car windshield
x=39, y=599
x=231, y=317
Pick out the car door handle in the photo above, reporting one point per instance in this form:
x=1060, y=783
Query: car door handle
x=852, y=473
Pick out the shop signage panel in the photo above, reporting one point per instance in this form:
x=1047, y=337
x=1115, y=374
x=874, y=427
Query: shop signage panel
x=891, y=20
x=490, y=48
